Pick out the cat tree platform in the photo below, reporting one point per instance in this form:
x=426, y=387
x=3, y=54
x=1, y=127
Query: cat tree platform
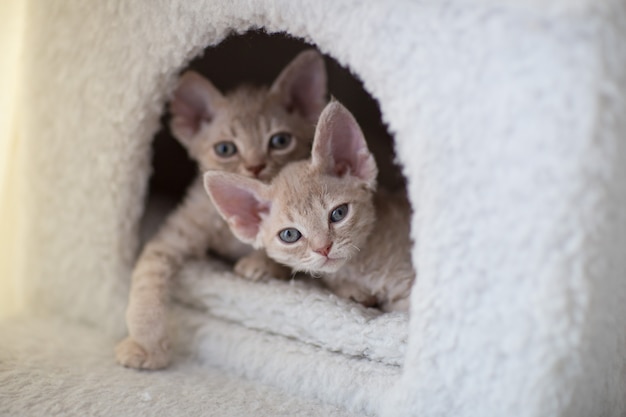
x=509, y=123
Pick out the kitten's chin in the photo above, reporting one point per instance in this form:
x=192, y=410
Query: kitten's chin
x=330, y=266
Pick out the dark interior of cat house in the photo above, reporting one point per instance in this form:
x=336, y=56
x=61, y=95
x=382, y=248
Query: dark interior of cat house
x=257, y=58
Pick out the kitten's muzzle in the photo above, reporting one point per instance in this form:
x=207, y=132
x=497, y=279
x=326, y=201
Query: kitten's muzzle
x=324, y=250
x=330, y=265
x=256, y=169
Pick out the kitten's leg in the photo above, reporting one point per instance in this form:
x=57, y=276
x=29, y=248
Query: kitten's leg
x=353, y=292
x=257, y=266
x=181, y=236
x=402, y=304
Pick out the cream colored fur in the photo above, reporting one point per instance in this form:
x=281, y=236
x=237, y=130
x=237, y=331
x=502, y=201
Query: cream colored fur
x=364, y=256
x=202, y=119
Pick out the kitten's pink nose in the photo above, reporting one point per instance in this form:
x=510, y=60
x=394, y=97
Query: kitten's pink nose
x=325, y=250
x=255, y=170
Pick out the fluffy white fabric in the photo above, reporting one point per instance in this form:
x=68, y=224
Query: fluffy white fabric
x=49, y=367
x=295, y=310
x=285, y=325
x=509, y=122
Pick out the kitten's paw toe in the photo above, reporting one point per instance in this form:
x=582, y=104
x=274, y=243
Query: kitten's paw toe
x=357, y=295
x=251, y=270
x=131, y=354
x=258, y=267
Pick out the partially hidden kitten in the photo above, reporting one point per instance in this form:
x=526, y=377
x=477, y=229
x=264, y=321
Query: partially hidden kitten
x=252, y=131
x=324, y=216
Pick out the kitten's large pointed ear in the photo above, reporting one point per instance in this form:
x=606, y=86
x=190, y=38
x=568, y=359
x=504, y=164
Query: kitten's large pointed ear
x=195, y=101
x=339, y=147
x=301, y=86
x=240, y=200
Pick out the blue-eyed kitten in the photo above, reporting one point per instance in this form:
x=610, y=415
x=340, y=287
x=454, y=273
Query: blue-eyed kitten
x=251, y=131
x=324, y=216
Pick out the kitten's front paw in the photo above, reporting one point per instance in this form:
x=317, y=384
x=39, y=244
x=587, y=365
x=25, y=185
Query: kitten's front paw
x=367, y=301
x=258, y=267
x=132, y=355
x=357, y=295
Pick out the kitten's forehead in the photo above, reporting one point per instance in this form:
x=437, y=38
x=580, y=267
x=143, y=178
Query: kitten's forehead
x=300, y=190
x=246, y=104
x=251, y=113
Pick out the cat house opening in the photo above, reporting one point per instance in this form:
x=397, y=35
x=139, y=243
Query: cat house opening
x=323, y=317
x=257, y=58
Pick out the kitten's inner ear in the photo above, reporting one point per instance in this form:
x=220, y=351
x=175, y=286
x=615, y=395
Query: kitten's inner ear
x=241, y=201
x=339, y=147
x=301, y=86
x=195, y=100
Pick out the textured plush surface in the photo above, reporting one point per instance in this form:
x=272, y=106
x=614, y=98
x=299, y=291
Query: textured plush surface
x=269, y=332
x=509, y=119
x=48, y=367
x=296, y=310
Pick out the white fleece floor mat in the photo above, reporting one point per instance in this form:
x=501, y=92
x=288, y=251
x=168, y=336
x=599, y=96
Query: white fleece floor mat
x=49, y=367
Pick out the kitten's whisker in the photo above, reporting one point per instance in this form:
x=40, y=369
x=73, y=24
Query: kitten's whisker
x=315, y=275
x=355, y=247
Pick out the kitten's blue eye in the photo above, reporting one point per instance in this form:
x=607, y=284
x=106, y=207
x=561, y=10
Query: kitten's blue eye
x=280, y=140
x=225, y=149
x=338, y=213
x=289, y=235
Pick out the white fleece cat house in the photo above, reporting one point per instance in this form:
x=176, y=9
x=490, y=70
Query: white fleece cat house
x=510, y=123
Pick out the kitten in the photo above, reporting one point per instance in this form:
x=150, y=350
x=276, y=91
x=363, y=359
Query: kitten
x=250, y=131
x=323, y=216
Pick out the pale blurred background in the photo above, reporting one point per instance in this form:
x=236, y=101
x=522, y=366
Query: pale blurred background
x=11, y=37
